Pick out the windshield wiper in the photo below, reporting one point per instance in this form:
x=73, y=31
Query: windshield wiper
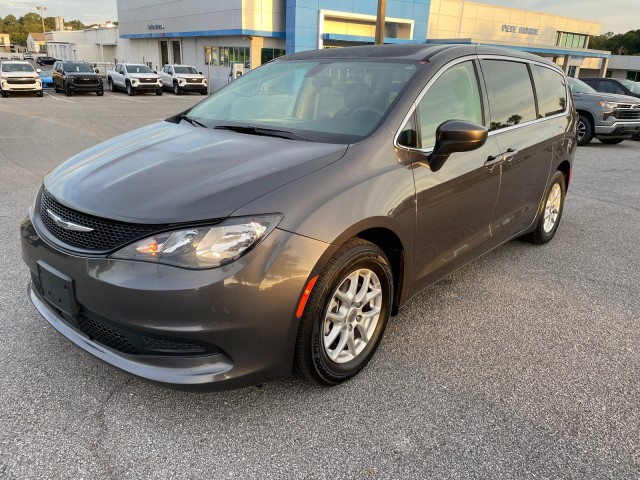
x=191, y=120
x=267, y=132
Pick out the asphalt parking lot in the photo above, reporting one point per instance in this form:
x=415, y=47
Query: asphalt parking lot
x=524, y=364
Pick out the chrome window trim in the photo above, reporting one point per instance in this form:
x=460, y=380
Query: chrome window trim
x=439, y=73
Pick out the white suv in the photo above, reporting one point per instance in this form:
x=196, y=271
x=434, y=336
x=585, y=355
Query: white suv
x=183, y=78
x=19, y=76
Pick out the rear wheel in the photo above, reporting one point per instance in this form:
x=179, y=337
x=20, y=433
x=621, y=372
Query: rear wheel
x=585, y=130
x=345, y=315
x=611, y=141
x=551, y=213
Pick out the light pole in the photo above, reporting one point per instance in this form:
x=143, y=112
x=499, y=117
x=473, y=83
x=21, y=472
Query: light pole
x=42, y=9
x=382, y=7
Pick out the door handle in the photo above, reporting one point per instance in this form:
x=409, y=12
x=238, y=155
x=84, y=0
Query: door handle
x=509, y=154
x=493, y=160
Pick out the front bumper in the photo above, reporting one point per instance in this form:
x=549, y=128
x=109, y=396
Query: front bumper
x=21, y=87
x=246, y=309
x=146, y=87
x=618, y=129
x=80, y=87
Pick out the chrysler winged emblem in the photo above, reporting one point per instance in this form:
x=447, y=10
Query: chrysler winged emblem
x=62, y=223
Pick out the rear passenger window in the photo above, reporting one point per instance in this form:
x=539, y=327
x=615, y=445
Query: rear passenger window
x=510, y=93
x=453, y=96
x=550, y=89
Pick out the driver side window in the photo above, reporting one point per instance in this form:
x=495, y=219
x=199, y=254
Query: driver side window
x=455, y=95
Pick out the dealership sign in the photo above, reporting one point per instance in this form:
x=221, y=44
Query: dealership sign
x=155, y=26
x=522, y=30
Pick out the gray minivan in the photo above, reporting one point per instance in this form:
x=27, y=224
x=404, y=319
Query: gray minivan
x=279, y=224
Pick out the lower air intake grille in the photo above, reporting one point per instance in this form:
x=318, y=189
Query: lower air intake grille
x=104, y=335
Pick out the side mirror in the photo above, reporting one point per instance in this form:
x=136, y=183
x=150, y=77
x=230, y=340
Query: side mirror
x=155, y=72
x=456, y=136
x=97, y=71
x=38, y=70
x=200, y=73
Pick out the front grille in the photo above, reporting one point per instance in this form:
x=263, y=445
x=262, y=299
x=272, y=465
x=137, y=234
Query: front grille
x=86, y=81
x=149, y=80
x=107, y=234
x=627, y=114
x=104, y=335
x=161, y=344
x=194, y=80
x=21, y=81
x=131, y=342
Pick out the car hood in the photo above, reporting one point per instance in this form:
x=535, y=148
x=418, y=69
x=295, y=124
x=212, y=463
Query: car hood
x=82, y=74
x=170, y=173
x=189, y=75
x=608, y=97
x=155, y=76
x=20, y=74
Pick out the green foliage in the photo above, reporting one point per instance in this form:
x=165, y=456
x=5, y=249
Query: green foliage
x=19, y=28
x=618, y=44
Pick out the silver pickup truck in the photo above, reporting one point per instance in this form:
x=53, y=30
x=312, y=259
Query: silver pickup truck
x=133, y=78
x=183, y=78
x=608, y=117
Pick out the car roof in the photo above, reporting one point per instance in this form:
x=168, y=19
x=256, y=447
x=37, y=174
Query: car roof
x=17, y=61
x=416, y=52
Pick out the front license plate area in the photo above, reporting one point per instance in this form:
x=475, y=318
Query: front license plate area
x=57, y=289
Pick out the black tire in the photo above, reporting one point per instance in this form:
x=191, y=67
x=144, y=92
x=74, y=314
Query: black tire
x=40, y=94
x=542, y=233
x=159, y=92
x=100, y=93
x=611, y=141
x=55, y=88
x=636, y=137
x=130, y=91
x=67, y=91
x=203, y=92
x=585, y=130
x=4, y=94
x=112, y=87
x=312, y=357
x=176, y=88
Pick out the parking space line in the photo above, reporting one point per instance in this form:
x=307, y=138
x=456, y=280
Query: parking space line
x=56, y=98
x=124, y=98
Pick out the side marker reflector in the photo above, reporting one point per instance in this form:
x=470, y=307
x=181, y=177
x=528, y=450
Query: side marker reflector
x=305, y=296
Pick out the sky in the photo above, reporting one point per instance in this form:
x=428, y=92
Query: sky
x=618, y=16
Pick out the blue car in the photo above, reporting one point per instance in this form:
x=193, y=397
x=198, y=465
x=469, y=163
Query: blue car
x=47, y=80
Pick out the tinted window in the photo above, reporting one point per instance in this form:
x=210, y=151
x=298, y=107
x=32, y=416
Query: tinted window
x=453, y=96
x=552, y=95
x=610, y=87
x=510, y=93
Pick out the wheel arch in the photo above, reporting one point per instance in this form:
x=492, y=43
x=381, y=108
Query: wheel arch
x=587, y=114
x=565, y=168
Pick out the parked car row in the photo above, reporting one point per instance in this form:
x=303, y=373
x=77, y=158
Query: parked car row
x=138, y=78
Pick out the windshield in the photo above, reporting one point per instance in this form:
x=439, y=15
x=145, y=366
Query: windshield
x=186, y=70
x=578, y=86
x=631, y=85
x=77, y=67
x=17, y=67
x=138, y=69
x=336, y=101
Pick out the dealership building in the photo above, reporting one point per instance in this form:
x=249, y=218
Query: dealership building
x=215, y=35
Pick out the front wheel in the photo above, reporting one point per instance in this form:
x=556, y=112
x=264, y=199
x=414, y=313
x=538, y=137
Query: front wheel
x=67, y=91
x=100, y=93
x=203, y=92
x=159, y=91
x=585, y=130
x=129, y=89
x=551, y=213
x=176, y=89
x=40, y=94
x=111, y=87
x=345, y=315
x=611, y=141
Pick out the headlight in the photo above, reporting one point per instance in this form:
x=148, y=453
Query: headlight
x=134, y=81
x=70, y=80
x=182, y=81
x=3, y=77
x=610, y=105
x=202, y=247
x=159, y=82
